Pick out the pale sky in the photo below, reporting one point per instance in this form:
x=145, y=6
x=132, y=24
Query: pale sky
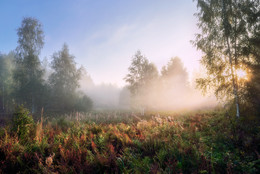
x=103, y=35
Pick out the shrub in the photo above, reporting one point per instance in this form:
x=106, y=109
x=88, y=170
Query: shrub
x=84, y=104
x=22, y=123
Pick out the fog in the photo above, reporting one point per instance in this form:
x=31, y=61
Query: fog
x=174, y=93
x=104, y=96
x=167, y=90
x=178, y=98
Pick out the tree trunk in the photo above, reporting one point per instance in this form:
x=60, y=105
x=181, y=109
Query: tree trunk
x=234, y=81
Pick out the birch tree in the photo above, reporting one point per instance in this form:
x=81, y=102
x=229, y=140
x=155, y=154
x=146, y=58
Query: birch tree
x=225, y=33
x=141, y=77
x=28, y=73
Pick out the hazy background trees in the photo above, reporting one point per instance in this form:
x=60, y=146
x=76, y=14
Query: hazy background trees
x=141, y=78
x=7, y=82
x=25, y=80
x=169, y=90
x=64, y=80
x=175, y=86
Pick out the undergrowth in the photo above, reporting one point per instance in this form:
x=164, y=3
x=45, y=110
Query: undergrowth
x=209, y=142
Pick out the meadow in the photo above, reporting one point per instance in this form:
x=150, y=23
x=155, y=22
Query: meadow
x=123, y=142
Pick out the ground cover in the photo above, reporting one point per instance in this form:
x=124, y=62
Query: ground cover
x=122, y=142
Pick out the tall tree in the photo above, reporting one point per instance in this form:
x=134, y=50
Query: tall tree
x=253, y=52
x=142, y=74
x=64, y=80
x=225, y=33
x=29, y=74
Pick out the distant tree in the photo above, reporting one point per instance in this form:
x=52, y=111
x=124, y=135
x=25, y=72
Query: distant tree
x=64, y=80
x=174, y=85
x=226, y=27
x=28, y=74
x=174, y=74
x=6, y=82
x=142, y=75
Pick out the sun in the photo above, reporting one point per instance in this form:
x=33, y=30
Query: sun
x=242, y=74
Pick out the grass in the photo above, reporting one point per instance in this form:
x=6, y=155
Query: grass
x=118, y=142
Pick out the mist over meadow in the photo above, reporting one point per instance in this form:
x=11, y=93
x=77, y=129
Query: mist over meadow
x=173, y=91
x=60, y=84
x=130, y=86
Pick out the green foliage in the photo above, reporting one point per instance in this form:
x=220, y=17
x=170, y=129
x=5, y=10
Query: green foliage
x=22, y=123
x=23, y=76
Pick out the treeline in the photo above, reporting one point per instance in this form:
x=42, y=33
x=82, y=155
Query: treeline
x=27, y=81
x=23, y=80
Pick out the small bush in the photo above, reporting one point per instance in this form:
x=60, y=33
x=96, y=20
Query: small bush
x=22, y=123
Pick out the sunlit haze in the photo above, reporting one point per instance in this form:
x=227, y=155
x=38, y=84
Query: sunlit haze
x=242, y=74
x=104, y=35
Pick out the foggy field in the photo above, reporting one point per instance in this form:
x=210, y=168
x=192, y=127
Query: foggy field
x=120, y=142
